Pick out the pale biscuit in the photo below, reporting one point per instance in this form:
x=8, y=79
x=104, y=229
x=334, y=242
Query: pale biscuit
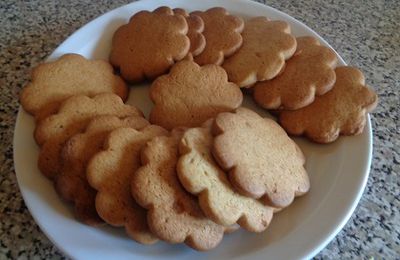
x=309, y=73
x=266, y=46
x=73, y=116
x=173, y=214
x=196, y=27
x=341, y=111
x=110, y=172
x=71, y=74
x=71, y=182
x=190, y=94
x=149, y=44
x=222, y=34
x=200, y=175
x=261, y=160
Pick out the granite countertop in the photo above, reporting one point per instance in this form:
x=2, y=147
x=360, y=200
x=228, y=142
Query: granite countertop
x=365, y=33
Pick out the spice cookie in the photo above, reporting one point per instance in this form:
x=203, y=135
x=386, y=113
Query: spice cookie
x=222, y=34
x=173, y=214
x=110, y=173
x=341, y=111
x=73, y=116
x=190, y=94
x=71, y=182
x=71, y=74
x=266, y=46
x=261, y=160
x=201, y=176
x=149, y=44
x=309, y=73
x=196, y=27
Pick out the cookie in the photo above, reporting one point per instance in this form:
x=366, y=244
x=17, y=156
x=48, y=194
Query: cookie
x=309, y=73
x=266, y=46
x=190, y=94
x=149, y=44
x=73, y=116
x=261, y=160
x=173, y=214
x=196, y=27
x=110, y=173
x=200, y=175
x=341, y=111
x=71, y=74
x=222, y=34
x=71, y=182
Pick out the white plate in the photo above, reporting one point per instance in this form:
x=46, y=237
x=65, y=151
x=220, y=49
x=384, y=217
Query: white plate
x=338, y=171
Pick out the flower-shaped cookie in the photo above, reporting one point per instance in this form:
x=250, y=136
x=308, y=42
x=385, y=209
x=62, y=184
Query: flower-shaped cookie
x=173, y=214
x=201, y=176
x=69, y=75
x=110, y=172
x=149, y=44
x=261, y=160
x=222, y=33
x=71, y=182
x=190, y=94
x=309, y=73
x=341, y=111
x=266, y=46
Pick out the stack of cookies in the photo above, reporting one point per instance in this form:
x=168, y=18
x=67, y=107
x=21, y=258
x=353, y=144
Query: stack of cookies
x=201, y=165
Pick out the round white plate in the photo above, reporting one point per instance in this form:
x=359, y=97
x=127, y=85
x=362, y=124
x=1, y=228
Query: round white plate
x=338, y=171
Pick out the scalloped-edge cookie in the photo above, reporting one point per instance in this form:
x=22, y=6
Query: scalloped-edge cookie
x=261, y=160
x=341, y=111
x=200, y=175
x=190, y=94
x=149, y=44
x=73, y=116
x=309, y=73
x=222, y=34
x=71, y=183
x=173, y=214
x=110, y=173
x=71, y=74
x=266, y=46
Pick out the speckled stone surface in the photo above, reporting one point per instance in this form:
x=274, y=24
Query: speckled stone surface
x=365, y=33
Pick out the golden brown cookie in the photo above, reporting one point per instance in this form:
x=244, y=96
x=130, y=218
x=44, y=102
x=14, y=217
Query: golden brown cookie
x=341, y=111
x=149, y=44
x=222, y=34
x=190, y=94
x=196, y=27
x=261, y=160
x=200, y=175
x=73, y=116
x=173, y=214
x=309, y=73
x=71, y=182
x=71, y=74
x=110, y=172
x=266, y=46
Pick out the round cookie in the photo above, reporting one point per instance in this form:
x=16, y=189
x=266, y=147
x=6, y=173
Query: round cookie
x=173, y=214
x=341, y=111
x=196, y=27
x=222, y=34
x=110, y=173
x=266, y=46
x=309, y=73
x=261, y=160
x=71, y=74
x=71, y=183
x=149, y=44
x=200, y=175
x=73, y=116
x=190, y=94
